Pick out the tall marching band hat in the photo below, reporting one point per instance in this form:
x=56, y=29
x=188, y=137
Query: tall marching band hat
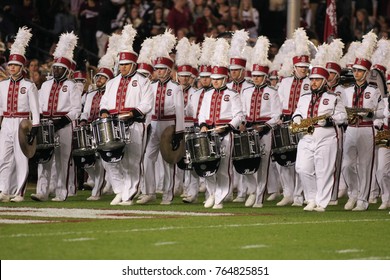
x=238, y=43
x=319, y=62
x=165, y=43
x=194, y=56
x=63, y=54
x=80, y=75
x=144, y=59
x=365, y=51
x=381, y=55
x=107, y=61
x=260, y=61
x=348, y=59
x=335, y=52
x=283, y=61
x=18, y=48
x=126, y=52
x=219, y=60
x=207, y=50
x=183, y=50
x=302, y=51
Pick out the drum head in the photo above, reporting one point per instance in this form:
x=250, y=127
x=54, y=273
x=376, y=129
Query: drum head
x=112, y=146
x=207, y=168
x=182, y=165
x=247, y=166
x=43, y=156
x=84, y=161
x=112, y=155
x=285, y=159
x=83, y=152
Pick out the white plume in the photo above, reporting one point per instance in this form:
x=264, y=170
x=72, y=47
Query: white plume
x=127, y=38
x=335, y=50
x=247, y=54
x=21, y=41
x=66, y=45
x=238, y=43
x=381, y=55
x=260, y=52
x=164, y=44
x=321, y=57
x=108, y=59
x=194, y=55
x=368, y=46
x=287, y=49
x=183, y=50
x=301, y=42
x=207, y=50
x=220, y=56
x=145, y=53
x=349, y=57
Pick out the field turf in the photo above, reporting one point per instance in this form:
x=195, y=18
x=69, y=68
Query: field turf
x=181, y=232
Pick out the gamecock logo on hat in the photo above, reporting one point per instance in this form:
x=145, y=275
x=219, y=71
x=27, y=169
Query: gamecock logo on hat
x=226, y=98
x=23, y=90
x=123, y=56
x=215, y=70
x=65, y=88
x=325, y=101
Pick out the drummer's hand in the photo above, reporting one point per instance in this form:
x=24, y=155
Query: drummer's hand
x=242, y=127
x=83, y=123
x=104, y=115
x=203, y=129
x=32, y=134
x=220, y=129
x=279, y=122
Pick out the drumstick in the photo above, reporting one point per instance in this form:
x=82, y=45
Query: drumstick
x=214, y=129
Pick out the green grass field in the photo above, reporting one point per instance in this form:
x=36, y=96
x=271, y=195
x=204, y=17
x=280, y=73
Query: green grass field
x=150, y=232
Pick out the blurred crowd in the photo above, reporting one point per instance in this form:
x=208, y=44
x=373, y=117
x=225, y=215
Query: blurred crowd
x=95, y=20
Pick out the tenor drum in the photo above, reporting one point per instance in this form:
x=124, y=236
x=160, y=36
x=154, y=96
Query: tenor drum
x=82, y=141
x=284, y=145
x=247, y=152
x=46, y=142
x=108, y=139
x=204, y=150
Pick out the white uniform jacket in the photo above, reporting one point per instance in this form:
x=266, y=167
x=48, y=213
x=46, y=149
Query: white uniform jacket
x=366, y=96
x=261, y=104
x=290, y=90
x=168, y=103
x=92, y=105
x=327, y=103
x=188, y=106
x=221, y=106
x=240, y=86
x=61, y=98
x=18, y=99
x=137, y=95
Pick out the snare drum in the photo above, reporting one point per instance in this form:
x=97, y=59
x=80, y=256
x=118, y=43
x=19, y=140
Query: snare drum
x=247, y=152
x=82, y=141
x=45, y=136
x=203, y=147
x=284, y=145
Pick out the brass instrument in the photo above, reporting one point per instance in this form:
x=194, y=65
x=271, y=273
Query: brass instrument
x=307, y=125
x=353, y=114
x=382, y=139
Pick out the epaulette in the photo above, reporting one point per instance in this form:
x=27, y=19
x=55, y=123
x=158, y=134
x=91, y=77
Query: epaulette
x=154, y=81
x=306, y=93
x=252, y=86
x=373, y=85
x=174, y=82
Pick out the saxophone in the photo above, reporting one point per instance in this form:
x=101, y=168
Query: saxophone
x=382, y=139
x=353, y=114
x=307, y=125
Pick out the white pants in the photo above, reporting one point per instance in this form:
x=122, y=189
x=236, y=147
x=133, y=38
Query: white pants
x=358, y=155
x=12, y=159
x=316, y=158
x=60, y=160
x=383, y=173
x=96, y=174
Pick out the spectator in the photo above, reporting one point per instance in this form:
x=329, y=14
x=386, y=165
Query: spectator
x=156, y=24
x=141, y=6
x=361, y=24
x=64, y=21
x=234, y=16
x=221, y=10
x=249, y=17
x=88, y=15
x=197, y=8
x=221, y=28
x=203, y=23
x=179, y=16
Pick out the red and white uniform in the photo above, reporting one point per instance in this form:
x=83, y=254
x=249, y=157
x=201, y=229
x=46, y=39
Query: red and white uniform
x=58, y=99
x=261, y=105
x=90, y=113
x=18, y=99
x=358, y=154
x=168, y=109
x=222, y=107
x=316, y=154
x=383, y=171
x=125, y=94
x=289, y=91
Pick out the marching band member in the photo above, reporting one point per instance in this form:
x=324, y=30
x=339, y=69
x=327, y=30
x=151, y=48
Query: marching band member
x=359, y=147
x=18, y=99
x=383, y=171
x=221, y=109
x=332, y=65
x=262, y=108
x=168, y=110
x=289, y=91
x=237, y=72
x=90, y=113
x=128, y=96
x=316, y=155
x=60, y=101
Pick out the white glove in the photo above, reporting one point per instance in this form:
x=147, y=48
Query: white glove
x=321, y=122
x=297, y=119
